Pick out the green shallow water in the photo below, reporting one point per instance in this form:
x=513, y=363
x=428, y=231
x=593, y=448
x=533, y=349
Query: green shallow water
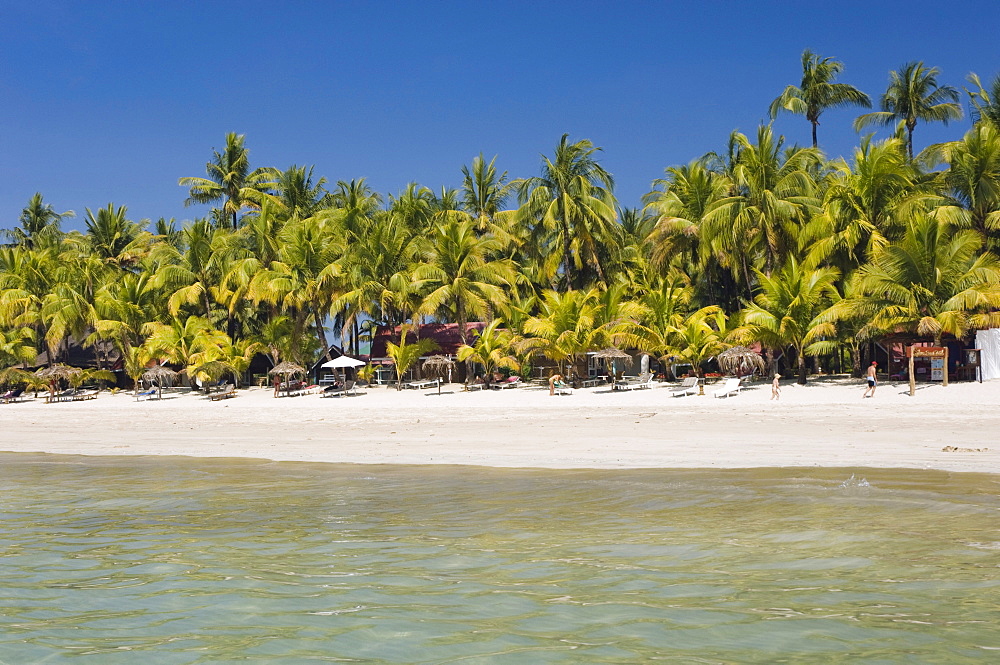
x=135, y=560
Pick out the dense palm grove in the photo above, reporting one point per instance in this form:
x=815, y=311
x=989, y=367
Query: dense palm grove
x=761, y=242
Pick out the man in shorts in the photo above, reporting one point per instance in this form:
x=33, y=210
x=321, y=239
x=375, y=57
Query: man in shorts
x=872, y=380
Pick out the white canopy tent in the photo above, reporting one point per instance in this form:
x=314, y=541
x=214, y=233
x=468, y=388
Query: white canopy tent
x=989, y=342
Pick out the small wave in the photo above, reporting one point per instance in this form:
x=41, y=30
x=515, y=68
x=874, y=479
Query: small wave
x=853, y=482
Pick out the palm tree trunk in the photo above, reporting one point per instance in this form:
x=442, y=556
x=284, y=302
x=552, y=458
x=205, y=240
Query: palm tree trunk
x=321, y=332
x=801, y=360
x=855, y=360
x=815, y=125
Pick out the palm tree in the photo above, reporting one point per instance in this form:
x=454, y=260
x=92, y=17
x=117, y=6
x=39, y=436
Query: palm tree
x=493, y=349
x=404, y=354
x=572, y=204
x=773, y=193
x=296, y=191
x=972, y=181
x=697, y=339
x=934, y=281
x=38, y=219
x=783, y=315
x=180, y=341
x=818, y=92
x=229, y=180
x=115, y=239
x=864, y=205
x=913, y=96
x=459, y=274
x=985, y=103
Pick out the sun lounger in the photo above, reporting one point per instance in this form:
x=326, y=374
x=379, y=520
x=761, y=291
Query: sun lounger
x=730, y=387
x=225, y=393
x=512, y=382
x=475, y=385
x=688, y=387
x=560, y=388
x=645, y=380
x=82, y=395
x=12, y=395
x=339, y=391
x=63, y=396
x=146, y=394
x=425, y=383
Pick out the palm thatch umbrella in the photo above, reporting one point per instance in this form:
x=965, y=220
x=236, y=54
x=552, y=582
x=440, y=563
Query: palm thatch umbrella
x=287, y=369
x=159, y=374
x=57, y=373
x=740, y=361
x=439, y=364
x=609, y=356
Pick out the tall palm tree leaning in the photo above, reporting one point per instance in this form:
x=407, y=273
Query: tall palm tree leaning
x=913, y=95
x=818, y=92
x=229, y=180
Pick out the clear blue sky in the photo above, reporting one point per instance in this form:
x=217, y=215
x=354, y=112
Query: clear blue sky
x=115, y=101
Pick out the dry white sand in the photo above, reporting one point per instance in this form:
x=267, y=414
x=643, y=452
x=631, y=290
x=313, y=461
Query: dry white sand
x=826, y=423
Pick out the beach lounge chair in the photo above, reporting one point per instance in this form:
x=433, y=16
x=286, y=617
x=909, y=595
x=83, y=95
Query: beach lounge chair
x=560, y=388
x=82, y=395
x=512, y=382
x=645, y=380
x=730, y=387
x=688, y=387
x=478, y=384
x=146, y=394
x=340, y=391
x=228, y=391
x=63, y=396
x=425, y=383
x=12, y=395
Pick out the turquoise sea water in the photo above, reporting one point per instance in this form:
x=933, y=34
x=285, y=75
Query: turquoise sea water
x=136, y=560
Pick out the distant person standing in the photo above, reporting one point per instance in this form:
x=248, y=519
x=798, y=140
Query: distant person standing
x=872, y=380
x=776, y=387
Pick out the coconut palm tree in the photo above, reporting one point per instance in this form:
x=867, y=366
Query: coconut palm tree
x=38, y=220
x=934, y=281
x=817, y=92
x=913, y=96
x=571, y=206
x=972, y=181
x=296, y=191
x=493, y=348
x=696, y=339
x=459, y=275
x=773, y=192
x=864, y=205
x=229, y=180
x=985, y=103
x=113, y=238
x=181, y=340
x=783, y=315
x=405, y=354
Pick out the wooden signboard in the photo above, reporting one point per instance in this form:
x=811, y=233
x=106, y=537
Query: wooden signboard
x=939, y=363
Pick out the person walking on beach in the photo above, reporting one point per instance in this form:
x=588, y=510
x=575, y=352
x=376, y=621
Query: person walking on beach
x=872, y=380
x=776, y=387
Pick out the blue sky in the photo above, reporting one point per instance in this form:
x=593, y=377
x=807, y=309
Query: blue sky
x=114, y=101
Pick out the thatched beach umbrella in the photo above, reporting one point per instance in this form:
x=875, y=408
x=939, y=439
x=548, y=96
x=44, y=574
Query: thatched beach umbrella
x=609, y=356
x=287, y=369
x=439, y=365
x=159, y=374
x=740, y=361
x=57, y=372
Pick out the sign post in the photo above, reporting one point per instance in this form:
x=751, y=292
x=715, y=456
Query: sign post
x=937, y=354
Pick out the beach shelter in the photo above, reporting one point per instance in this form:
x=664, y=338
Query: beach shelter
x=439, y=365
x=342, y=363
x=741, y=361
x=159, y=374
x=610, y=356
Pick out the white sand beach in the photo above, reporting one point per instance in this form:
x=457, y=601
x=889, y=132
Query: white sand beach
x=826, y=423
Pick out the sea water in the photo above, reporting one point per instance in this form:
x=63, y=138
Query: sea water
x=139, y=560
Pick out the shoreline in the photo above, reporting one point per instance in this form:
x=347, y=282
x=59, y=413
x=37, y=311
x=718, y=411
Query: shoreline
x=823, y=424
